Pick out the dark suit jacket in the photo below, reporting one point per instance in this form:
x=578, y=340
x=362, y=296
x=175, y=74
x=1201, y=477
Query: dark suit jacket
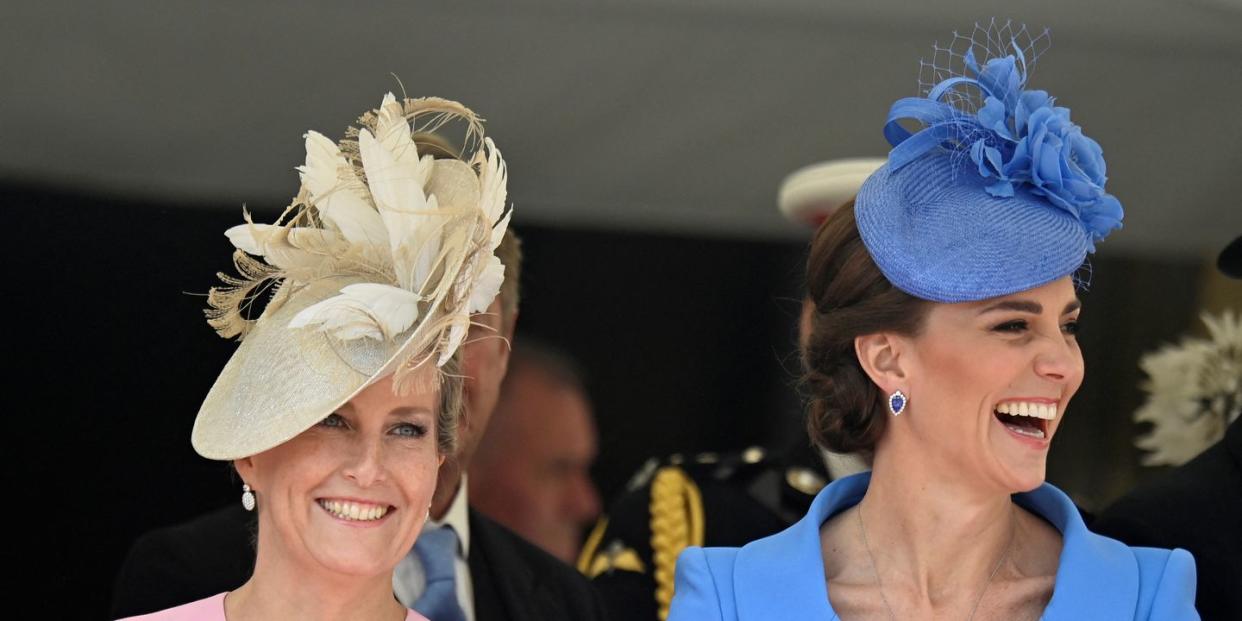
x=1197, y=506
x=513, y=580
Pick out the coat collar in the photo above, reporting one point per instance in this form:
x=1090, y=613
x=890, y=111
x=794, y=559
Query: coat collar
x=782, y=576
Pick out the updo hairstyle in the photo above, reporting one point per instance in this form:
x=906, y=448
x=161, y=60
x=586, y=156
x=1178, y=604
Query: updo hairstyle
x=846, y=412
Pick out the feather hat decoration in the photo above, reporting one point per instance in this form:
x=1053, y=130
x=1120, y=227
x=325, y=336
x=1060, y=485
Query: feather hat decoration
x=1194, y=392
x=376, y=268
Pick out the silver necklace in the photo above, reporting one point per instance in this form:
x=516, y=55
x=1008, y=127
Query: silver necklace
x=880, y=585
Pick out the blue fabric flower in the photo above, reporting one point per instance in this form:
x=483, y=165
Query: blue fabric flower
x=1016, y=138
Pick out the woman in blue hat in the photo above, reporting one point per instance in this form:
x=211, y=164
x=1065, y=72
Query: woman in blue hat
x=943, y=344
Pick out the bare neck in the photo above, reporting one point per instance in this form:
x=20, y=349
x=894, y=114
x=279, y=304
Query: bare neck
x=931, y=534
x=286, y=588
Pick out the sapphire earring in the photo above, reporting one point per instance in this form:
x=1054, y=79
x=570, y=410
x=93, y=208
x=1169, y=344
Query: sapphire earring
x=897, y=402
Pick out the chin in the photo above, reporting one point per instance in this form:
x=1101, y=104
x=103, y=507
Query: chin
x=354, y=561
x=1020, y=478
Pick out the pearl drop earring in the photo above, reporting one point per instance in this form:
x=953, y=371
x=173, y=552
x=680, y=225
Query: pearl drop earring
x=247, y=497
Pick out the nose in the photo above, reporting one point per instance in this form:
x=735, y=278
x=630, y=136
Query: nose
x=1059, y=361
x=365, y=465
x=584, y=503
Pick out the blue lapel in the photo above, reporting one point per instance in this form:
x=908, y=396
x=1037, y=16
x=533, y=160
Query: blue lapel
x=782, y=576
x=1098, y=577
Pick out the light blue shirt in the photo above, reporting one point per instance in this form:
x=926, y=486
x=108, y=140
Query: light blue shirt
x=782, y=576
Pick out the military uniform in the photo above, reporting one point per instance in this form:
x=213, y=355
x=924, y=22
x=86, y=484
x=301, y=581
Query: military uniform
x=706, y=499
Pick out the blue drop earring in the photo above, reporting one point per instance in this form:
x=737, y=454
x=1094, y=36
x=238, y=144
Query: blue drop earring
x=897, y=402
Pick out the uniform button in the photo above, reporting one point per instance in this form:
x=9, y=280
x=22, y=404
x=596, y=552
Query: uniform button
x=753, y=455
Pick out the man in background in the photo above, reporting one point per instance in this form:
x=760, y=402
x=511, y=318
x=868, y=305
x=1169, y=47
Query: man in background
x=531, y=471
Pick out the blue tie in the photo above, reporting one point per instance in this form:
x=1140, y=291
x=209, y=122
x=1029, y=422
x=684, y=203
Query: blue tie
x=437, y=549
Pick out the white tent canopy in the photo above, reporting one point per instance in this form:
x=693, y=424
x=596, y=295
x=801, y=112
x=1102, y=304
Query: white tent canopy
x=669, y=116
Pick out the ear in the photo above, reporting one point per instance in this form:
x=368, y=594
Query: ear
x=245, y=469
x=880, y=356
x=509, y=324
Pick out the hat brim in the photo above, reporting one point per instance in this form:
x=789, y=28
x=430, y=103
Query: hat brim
x=1230, y=260
x=810, y=194
x=281, y=381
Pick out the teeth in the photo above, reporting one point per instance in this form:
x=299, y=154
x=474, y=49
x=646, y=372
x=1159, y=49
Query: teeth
x=354, y=511
x=1046, y=411
x=1034, y=433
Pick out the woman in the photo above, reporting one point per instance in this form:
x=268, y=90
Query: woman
x=943, y=345
x=342, y=399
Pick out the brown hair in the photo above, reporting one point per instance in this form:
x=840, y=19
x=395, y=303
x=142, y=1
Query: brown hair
x=845, y=411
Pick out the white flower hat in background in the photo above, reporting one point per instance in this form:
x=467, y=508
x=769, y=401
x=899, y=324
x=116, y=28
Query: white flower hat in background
x=1194, y=391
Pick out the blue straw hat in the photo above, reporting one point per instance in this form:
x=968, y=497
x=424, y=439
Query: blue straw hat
x=998, y=193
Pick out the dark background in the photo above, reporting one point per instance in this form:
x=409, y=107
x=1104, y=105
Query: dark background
x=687, y=344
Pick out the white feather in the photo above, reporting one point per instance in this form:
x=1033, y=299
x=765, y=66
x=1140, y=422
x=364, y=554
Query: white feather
x=457, y=334
x=367, y=310
x=338, y=203
x=393, y=132
x=249, y=238
x=486, y=285
x=283, y=247
x=323, y=165
x=408, y=214
x=493, y=181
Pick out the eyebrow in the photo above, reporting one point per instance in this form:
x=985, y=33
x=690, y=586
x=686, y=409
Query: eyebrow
x=409, y=412
x=1028, y=306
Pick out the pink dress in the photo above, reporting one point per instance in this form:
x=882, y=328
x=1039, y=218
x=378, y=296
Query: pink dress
x=212, y=609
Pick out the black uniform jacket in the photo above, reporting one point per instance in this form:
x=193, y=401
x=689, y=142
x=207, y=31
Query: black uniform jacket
x=513, y=580
x=1196, y=506
x=726, y=499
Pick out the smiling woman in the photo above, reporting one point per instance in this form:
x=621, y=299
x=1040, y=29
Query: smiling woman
x=943, y=346
x=343, y=398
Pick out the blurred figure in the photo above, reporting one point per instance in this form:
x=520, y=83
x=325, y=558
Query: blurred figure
x=1198, y=505
x=531, y=472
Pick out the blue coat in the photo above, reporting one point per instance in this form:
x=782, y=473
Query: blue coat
x=782, y=576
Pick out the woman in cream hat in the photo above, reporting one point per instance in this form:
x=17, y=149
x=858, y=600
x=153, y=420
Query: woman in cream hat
x=342, y=399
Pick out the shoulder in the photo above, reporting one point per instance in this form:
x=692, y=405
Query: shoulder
x=208, y=554
x=206, y=609
x=230, y=525
x=503, y=551
x=1171, y=509
x=1166, y=584
x=704, y=580
x=1100, y=577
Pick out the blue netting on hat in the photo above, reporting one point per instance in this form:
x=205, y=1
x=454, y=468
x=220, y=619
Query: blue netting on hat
x=964, y=55
x=984, y=43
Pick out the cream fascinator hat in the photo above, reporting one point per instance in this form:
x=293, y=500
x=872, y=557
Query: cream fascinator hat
x=375, y=269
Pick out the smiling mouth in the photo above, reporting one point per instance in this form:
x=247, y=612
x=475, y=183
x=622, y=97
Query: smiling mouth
x=354, y=511
x=1026, y=418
